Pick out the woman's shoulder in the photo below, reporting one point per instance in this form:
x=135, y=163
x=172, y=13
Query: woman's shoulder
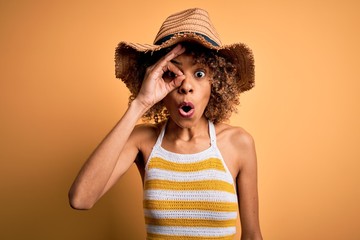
x=236, y=145
x=144, y=136
x=234, y=135
x=145, y=131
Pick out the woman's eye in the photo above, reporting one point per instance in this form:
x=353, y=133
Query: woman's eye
x=200, y=74
x=169, y=74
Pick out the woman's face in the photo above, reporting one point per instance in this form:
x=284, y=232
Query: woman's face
x=187, y=103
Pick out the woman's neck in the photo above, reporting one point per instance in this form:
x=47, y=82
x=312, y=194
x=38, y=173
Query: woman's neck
x=175, y=132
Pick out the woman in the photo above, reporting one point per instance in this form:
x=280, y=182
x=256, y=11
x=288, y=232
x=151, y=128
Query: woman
x=198, y=172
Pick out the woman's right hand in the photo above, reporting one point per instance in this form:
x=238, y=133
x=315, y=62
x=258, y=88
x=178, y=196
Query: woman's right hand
x=154, y=88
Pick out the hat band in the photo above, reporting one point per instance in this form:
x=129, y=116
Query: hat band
x=164, y=39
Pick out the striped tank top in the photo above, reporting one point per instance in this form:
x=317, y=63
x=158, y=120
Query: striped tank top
x=189, y=196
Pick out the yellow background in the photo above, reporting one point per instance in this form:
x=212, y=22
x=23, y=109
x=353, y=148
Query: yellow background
x=59, y=98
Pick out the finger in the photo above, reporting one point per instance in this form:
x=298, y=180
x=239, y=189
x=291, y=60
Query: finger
x=176, y=82
x=176, y=51
x=173, y=68
x=164, y=63
x=171, y=55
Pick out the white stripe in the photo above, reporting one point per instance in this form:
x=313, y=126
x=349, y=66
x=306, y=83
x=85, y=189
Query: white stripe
x=193, y=214
x=186, y=158
x=203, y=195
x=209, y=174
x=191, y=231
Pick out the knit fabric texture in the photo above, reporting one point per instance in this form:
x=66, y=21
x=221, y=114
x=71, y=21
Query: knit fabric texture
x=189, y=196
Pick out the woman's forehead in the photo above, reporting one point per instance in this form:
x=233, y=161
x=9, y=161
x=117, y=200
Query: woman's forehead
x=185, y=59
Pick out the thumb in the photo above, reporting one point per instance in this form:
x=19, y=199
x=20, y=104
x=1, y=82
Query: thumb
x=177, y=82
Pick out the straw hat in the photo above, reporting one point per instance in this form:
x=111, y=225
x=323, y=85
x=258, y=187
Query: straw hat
x=192, y=25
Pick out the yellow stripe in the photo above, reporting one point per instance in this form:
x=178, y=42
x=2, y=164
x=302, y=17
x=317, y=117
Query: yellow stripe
x=154, y=236
x=188, y=222
x=211, y=163
x=189, y=185
x=190, y=205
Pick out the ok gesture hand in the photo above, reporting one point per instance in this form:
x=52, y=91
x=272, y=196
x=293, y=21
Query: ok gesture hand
x=154, y=88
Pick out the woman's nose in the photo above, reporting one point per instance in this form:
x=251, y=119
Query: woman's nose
x=186, y=86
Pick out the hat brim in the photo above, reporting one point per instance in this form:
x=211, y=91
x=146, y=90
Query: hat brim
x=127, y=56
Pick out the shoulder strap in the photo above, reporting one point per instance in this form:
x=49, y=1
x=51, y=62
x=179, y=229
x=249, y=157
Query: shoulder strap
x=212, y=133
x=161, y=135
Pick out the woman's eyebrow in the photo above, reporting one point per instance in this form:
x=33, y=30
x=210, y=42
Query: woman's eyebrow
x=176, y=62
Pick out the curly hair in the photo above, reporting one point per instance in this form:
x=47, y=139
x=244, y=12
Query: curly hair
x=225, y=91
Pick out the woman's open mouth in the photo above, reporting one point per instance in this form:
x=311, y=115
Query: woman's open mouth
x=186, y=109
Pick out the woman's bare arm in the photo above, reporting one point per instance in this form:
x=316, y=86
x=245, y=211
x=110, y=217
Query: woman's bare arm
x=120, y=147
x=247, y=188
x=94, y=175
